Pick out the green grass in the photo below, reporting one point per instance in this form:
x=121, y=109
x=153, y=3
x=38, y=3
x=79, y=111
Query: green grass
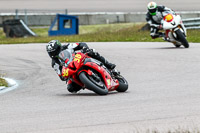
x=123, y=32
x=3, y=82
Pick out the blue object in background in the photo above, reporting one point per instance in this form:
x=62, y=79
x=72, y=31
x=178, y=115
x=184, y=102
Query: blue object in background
x=67, y=25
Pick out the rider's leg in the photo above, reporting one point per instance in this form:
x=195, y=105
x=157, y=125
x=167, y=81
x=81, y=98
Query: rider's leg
x=97, y=56
x=155, y=34
x=73, y=87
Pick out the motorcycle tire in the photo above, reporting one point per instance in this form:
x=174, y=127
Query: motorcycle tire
x=182, y=39
x=177, y=46
x=123, y=84
x=92, y=84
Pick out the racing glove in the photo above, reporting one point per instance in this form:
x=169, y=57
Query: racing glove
x=160, y=27
x=87, y=50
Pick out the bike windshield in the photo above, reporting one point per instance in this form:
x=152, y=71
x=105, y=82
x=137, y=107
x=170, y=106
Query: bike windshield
x=65, y=57
x=168, y=12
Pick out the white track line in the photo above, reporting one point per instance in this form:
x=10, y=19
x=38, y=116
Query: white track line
x=12, y=85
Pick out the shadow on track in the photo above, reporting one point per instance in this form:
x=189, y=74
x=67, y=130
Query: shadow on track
x=168, y=48
x=87, y=94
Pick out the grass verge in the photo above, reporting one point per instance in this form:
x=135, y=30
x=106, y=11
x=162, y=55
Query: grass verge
x=3, y=82
x=123, y=32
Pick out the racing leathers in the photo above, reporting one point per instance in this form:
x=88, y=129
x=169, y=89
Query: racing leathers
x=57, y=66
x=155, y=21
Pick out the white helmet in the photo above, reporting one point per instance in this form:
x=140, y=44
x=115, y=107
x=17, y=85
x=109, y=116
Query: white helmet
x=152, y=8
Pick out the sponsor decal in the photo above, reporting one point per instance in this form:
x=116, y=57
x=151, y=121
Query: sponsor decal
x=77, y=58
x=108, y=81
x=168, y=18
x=173, y=23
x=65, y=72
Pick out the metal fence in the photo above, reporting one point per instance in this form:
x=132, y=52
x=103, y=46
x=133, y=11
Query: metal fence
x=44, y=17
x=32, y=11
x=192, y=23
x=26, y=12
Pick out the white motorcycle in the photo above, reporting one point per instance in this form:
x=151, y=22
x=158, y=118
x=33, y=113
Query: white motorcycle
x=174, y=29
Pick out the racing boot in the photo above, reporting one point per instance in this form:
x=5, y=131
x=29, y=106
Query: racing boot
x=97, y=56
x=109, y=65
x=73, y=87
x=166, y=39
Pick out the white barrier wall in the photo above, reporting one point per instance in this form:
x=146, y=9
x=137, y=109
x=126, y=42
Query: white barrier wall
x=90, y=18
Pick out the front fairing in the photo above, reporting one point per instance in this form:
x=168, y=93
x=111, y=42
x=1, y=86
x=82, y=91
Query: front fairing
x=73, y=65
x=65, y=57
x=172, y=24
x=78, y=59
x=110, y=83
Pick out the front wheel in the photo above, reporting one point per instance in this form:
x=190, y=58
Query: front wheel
x=123, y=84
x=93, y=84
x=182, y=39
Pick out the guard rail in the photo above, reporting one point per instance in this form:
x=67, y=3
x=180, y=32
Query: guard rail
x=192, y=23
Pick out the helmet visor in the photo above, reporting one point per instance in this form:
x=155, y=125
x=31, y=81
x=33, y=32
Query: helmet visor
x=153, y=11
x=51, y=54
x=55, y=53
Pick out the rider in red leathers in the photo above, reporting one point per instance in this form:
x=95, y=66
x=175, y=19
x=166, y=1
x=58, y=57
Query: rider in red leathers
x=54, y=47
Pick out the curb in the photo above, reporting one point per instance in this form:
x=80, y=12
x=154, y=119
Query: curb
x=2, y=88
x=11, y=83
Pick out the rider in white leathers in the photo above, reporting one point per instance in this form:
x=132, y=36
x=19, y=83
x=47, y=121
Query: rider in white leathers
x=154, y=16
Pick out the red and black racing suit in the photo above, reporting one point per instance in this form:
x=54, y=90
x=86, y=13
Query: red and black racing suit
x=56, y=64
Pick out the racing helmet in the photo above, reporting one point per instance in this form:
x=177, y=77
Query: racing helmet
x=152, y=8
x=53, y=48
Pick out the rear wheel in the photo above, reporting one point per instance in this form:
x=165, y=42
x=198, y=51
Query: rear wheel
x=93, y=84
x=123, y=84
x=182, y=39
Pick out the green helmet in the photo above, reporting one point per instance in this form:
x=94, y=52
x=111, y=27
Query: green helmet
x=152, y=8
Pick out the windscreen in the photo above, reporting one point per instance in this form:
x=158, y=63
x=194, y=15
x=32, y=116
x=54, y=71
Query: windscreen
x=64, y=55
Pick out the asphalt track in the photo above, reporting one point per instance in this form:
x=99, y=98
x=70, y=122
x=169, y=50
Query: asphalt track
x=164, y=91
x=98, y=5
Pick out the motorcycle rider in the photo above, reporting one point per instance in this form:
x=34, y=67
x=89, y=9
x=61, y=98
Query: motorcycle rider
x=54, y=47
x=154, y=17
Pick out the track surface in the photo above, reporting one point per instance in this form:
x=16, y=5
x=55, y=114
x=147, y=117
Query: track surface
x=98, y=5
x=164, y=91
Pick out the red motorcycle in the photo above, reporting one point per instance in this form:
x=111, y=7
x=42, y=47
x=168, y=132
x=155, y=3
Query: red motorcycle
x=90, y=73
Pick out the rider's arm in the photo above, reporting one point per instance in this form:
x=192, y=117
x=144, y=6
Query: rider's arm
x=148, y=18
x=80, y=46
x=151, y=22
x=57, y=68
x=165, y=9
x=75, y=46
